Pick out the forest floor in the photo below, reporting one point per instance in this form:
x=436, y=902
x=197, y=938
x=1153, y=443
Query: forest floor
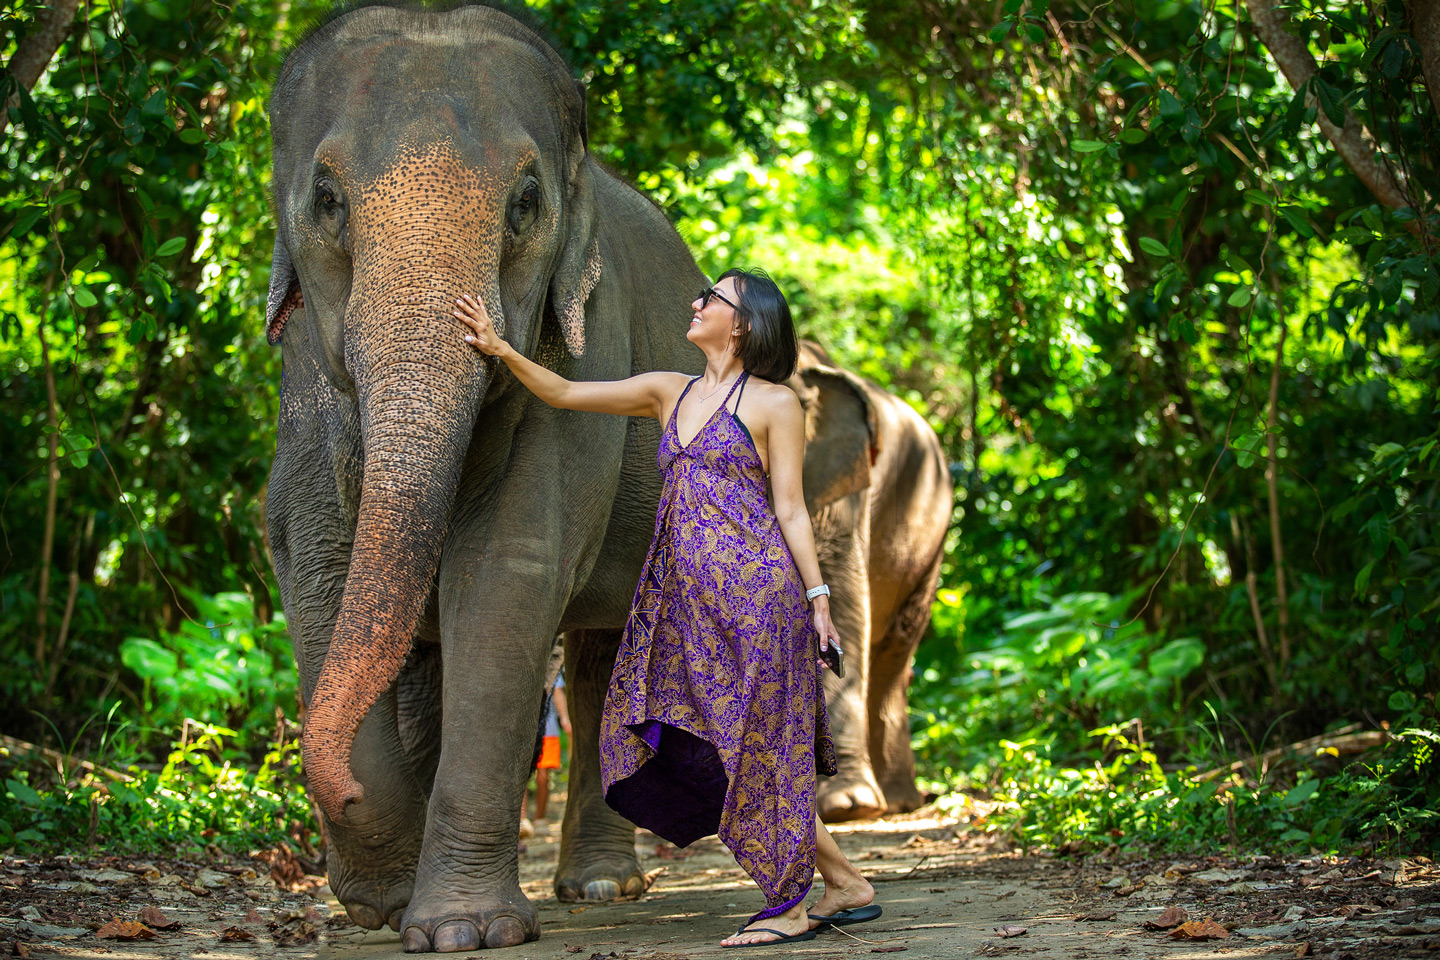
x=947, y=890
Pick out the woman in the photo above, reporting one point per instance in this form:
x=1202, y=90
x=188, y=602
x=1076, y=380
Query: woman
x=715, y=717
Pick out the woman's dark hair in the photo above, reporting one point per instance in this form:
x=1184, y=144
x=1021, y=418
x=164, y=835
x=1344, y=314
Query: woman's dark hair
x=767, y=347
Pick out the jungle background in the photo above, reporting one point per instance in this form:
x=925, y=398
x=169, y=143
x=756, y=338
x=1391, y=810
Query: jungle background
x=1161, y=273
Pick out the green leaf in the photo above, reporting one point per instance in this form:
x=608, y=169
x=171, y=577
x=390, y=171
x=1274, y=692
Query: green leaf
x=1239, y=297
x=1133, y=135
x=26, y=220
x=1401, y=700
x=148, y=659
x=23, y=792
x=84, y=298
x=1154, y=247
x=1297, y=222
x=191, y=135
x=1301, y=792
x=155, y=106
x=1088, y=146
x=1259, y=199
x=1329, y=101
x=1000, y=31
x=1362, y=579
x=1177, y=658
x=1170, y=106
x=1415, y=674
x=171, y=247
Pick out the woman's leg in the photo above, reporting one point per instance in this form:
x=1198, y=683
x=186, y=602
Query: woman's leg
x=845, y=887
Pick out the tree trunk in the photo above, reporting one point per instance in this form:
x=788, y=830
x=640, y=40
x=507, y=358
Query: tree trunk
x=1425, y=28
x=1270, y=478
x=1272, y=468
x=1351, y=141
x=34, y=53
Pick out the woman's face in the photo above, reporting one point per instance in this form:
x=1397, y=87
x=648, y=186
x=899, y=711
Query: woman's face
x=714, y=323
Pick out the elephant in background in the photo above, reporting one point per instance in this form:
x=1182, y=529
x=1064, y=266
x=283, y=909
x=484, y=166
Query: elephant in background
x=433, y=525
x=880, y=501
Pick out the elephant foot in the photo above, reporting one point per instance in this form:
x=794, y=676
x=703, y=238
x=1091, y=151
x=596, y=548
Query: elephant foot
x=903, y=796
x=600, y=880
x=455, y=925
x=372, y=902
x=849, y=797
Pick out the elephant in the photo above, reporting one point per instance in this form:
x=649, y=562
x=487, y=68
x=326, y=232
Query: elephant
x=432, y=524
x=880, y=505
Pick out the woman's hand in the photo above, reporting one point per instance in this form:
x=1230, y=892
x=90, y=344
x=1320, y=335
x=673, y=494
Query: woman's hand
x=482, y=337
x=820, y=612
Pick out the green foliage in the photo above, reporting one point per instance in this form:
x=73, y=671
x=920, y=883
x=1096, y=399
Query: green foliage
x=227, y=670
x=206, y=789
x=1084, y=239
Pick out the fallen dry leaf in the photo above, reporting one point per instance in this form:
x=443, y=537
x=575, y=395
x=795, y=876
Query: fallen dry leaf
x=1206, y=929
x=888, y=949
x=118, y=929
x=294, y=931
x=1172, y=917
x=1097, y=915
x=156, y=920
x=1304, y=950
x=578, y=909
x=575, y=949
x=232, y=934
x=1010, y=931
x=21, y=950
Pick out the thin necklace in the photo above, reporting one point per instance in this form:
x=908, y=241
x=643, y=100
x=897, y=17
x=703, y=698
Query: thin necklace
x=719, y=388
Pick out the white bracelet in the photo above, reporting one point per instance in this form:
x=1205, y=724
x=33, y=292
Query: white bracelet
x=814, y=592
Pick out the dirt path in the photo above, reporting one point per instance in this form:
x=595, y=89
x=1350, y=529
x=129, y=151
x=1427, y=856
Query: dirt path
x=945, y=894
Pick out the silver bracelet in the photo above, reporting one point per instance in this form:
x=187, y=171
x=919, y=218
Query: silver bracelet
x=814, y=592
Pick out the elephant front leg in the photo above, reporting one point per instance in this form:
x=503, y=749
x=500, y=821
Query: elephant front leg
x=372, y=855
x=841, y=534
x=467, y=884
x=597, y=845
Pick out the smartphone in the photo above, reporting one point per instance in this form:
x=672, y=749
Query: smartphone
x=834, y=658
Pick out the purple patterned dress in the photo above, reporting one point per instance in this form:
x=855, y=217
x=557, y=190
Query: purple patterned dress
x=715, y=717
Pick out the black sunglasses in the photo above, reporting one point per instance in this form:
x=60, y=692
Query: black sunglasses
x=709, y=292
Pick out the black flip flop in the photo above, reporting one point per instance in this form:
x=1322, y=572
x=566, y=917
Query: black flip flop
x=807, y=935
x=847, y=917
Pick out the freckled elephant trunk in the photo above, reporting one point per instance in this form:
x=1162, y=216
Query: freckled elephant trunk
x=418, y=385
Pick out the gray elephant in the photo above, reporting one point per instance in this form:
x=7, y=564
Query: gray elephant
x=880, y=502
x=433, y=525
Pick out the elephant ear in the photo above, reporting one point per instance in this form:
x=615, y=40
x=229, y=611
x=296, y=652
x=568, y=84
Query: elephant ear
x=579, y=266
x=841, y=428
x=285, y=294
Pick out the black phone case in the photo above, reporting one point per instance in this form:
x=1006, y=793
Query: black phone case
x=834, y=658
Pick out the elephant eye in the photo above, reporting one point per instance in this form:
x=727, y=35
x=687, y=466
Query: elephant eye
x=524, y=208
x=329, y=208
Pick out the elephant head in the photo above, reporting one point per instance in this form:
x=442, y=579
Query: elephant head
x=411, y=165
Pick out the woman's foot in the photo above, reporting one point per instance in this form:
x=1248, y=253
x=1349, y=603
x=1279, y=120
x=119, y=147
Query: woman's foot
x=791, y=923
x=856, y=892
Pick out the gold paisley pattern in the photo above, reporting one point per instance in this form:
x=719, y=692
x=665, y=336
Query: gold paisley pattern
x=720, y=645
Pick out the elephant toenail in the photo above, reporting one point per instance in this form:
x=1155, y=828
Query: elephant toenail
x=505, y=932
x=415, y=940
x=397, y=918
x=455, y=936
x=602, y=890
x=634, y=886
x=365, y=916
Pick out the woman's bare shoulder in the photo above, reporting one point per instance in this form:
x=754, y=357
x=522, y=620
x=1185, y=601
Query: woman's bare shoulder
x=775, y=400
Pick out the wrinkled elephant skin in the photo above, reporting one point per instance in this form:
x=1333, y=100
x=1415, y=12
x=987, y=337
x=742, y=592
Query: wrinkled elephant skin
x=433, y=525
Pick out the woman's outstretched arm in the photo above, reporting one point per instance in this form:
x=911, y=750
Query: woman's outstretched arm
x=644, y=395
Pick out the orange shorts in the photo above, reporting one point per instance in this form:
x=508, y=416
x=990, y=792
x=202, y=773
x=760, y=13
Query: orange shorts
x=549, y=754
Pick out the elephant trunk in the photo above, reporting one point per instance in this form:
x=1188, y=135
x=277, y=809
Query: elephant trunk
x=418, y=385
